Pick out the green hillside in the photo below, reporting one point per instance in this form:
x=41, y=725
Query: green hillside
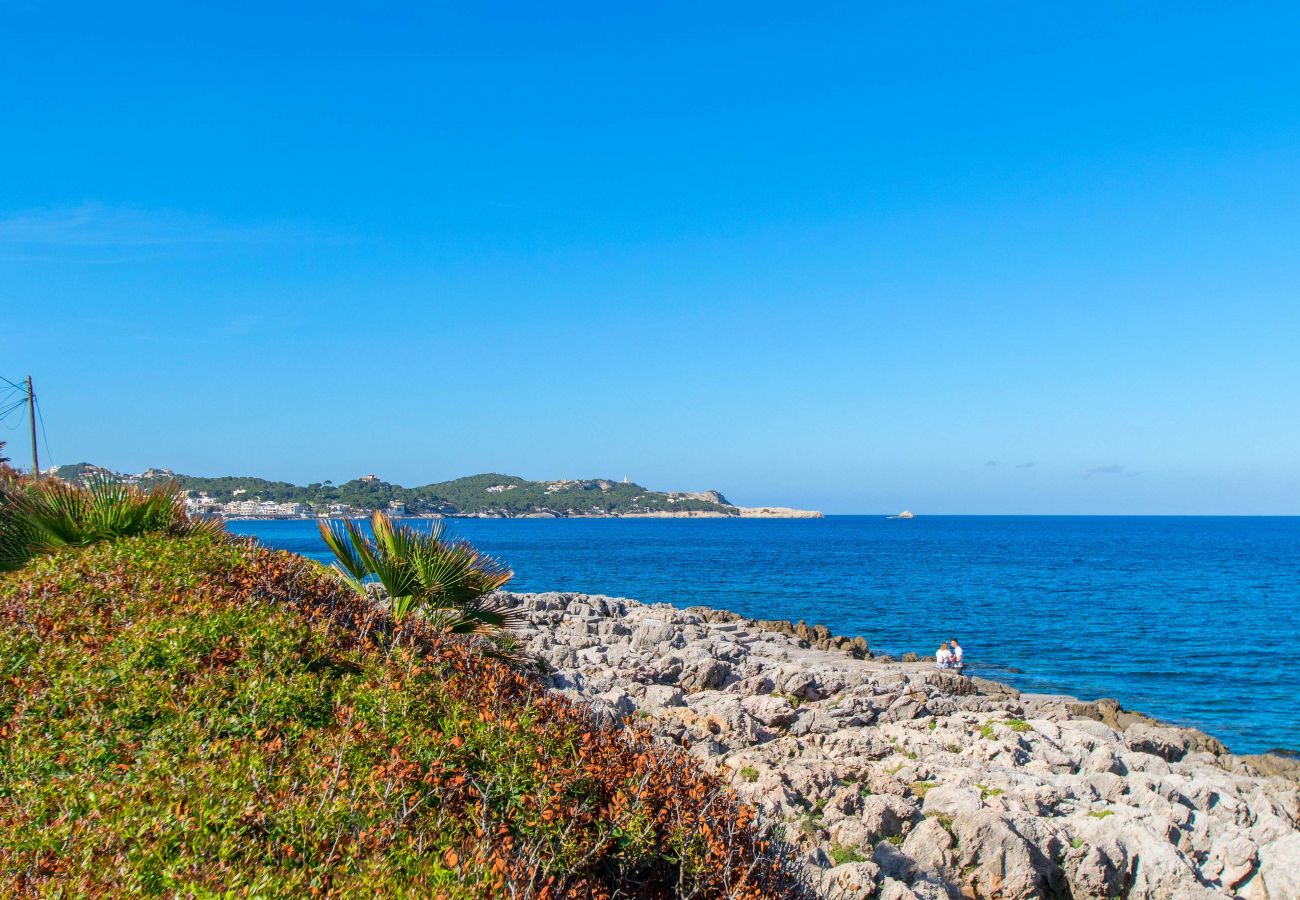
x=487, y=494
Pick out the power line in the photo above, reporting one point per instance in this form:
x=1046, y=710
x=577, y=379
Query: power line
x=28, y=398
x=17, y=404
x=15, y=398
x=40, y=417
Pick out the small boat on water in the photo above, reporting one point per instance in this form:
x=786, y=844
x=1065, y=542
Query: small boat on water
x=905, y=514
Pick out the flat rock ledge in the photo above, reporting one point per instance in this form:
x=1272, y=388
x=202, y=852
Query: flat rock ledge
x=899, y=782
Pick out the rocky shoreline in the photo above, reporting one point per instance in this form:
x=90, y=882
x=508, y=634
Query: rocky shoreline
x=898, y=781
x=733, y=512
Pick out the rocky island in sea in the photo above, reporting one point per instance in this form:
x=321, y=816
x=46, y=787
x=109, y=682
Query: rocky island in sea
x=898, y=781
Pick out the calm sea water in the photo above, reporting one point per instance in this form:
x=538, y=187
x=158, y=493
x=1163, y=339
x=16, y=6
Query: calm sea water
x=1193, y=620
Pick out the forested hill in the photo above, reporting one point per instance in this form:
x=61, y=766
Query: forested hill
x=489, y=494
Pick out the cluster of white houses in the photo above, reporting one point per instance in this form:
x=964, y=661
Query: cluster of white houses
x=257, y=508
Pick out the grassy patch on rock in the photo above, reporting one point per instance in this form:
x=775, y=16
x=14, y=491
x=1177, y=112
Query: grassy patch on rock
x=920, y=788
x=842, y=855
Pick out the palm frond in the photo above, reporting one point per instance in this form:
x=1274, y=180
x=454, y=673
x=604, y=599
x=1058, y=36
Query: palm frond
x=348, y=561
x=448, y=581
x=42, y=516
x=17, y=539
x=389, y=557
x=492, y=613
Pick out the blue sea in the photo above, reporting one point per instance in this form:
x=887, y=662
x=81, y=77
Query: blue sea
x=1192, y=620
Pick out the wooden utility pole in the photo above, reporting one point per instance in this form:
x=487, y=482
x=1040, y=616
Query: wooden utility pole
x=31, y=416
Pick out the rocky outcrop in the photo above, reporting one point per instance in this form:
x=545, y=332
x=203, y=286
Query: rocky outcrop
x=706, y=496
x=816, y=636
x=777, y=512
x=897, y=781
x=724, y=512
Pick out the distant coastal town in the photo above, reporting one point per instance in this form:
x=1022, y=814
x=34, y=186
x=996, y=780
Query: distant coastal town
x=476, y=496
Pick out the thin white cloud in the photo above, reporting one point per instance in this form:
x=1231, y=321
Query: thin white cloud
x=1111, y=469
x=108, y=231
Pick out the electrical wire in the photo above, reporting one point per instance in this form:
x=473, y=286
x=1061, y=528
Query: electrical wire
x=4, y=413
x=40, y=417
x=14, y=389
x=24, y=390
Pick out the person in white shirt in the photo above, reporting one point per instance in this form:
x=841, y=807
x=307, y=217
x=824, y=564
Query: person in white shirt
x=955, y=655
x=942, y=657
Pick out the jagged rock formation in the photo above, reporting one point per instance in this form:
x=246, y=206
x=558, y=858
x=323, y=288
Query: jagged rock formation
x=777, y=512
x=901, y=782
x=706, y=496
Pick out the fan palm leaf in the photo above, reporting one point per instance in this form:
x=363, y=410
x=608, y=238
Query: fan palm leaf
x=449, y=581
x=348, y=560
x=47, y=515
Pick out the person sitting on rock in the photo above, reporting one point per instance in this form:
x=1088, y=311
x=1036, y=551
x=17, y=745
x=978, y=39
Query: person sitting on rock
x=955, y=656
x=942, y=657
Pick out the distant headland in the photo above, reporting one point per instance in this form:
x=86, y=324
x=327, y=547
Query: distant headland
x=490, y=496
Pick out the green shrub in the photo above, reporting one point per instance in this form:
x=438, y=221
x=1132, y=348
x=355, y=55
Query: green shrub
x=921, y=788
x=1101, y=814
x=841, y=855
x=749, y=773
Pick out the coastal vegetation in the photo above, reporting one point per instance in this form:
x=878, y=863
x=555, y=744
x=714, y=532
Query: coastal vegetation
x=182, y=713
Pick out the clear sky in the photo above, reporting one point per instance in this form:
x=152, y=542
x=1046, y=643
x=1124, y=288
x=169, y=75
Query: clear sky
x=962, y=258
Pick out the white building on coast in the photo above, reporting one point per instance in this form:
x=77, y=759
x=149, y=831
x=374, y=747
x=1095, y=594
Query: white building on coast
x=264, y=509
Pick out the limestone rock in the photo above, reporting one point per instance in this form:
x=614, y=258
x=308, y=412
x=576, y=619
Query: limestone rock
x=1022, y=796
x=1005, y=863
x=850, y=881
x=774, y=712
x=1279, y=868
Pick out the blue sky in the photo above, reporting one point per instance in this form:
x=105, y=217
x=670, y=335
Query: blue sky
x=958, y=258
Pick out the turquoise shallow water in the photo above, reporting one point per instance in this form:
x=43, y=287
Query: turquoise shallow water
x=1194, y=620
